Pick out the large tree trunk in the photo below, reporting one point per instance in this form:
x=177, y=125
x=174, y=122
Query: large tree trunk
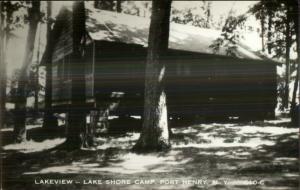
x=20, y=108
x=77, y=113
x=49, y=120
x=155, y=134
x=287, y=59
x=2, y=66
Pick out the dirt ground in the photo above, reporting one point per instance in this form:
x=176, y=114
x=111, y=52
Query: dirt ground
x=252, y=155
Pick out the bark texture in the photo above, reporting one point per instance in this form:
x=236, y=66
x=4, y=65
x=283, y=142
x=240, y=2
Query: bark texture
x=287, y=59
x=20, y=108
x=77, y=113
x=155, y=134
x=270, y=23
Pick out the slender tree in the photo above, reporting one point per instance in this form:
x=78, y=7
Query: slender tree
x=2, y=65
x=262, y=23
x=20, y=107
x=295, y=109
x=287, y=56
x=49, y=120
x=155, y=134
x=6, y=26
x=270, y=24
x=298, y=47
x=36, y=76
x=207, y=10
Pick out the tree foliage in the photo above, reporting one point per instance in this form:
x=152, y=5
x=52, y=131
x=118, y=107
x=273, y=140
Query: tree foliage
x=281, y=18
x=199, y=16
x=273, y=13
x=230, y=36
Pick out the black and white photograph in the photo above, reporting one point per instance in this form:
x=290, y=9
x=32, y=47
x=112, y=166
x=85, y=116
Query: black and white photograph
x=149, y=95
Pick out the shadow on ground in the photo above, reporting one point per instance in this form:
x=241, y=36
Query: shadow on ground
x=253, y=155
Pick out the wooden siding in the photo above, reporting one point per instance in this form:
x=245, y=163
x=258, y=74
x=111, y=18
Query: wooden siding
x=196, y=84
x=61, y=84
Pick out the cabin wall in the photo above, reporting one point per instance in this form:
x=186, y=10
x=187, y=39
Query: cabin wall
x=196, y=84
x=119, y=68
x=214, y=86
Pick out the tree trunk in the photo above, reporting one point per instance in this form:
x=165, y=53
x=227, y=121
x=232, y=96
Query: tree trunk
x=155, y=134
x=36, y=91
x=262, y=23
x=270, y=23
x=295, y=110
x=20, y=108
x=295, y=89
x=298, y=46
x=119, y=6
x=208, y=15
x=77, y=113
x=287, y=60
x=49, y=120
x=2, y=66
x=37, y=84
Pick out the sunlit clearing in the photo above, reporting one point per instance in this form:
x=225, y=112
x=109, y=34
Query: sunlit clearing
x=130, y=163
x=32, y=146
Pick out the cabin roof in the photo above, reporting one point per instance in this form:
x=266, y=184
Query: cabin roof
x=113, y=26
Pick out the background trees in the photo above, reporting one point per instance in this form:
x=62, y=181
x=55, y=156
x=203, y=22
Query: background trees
x=278, y=24
x=199, y=16
x=230, y=36
x=10, y=20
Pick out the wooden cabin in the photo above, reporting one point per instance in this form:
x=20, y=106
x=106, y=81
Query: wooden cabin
x=198, y=81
